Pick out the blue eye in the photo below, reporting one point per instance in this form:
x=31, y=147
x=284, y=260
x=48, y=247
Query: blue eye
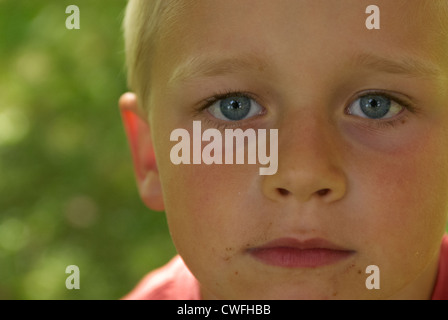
x=375, y=107
x=235, y=108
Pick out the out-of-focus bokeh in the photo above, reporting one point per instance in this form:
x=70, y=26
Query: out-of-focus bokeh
x=67, y=189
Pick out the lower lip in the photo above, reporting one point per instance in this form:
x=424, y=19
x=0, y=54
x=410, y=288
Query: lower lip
x=288, y=257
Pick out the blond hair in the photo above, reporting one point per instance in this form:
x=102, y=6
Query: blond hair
x=141, y=23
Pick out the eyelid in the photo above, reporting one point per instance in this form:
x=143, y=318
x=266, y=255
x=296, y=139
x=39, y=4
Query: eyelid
x=212, y=121
x=406, y=101
x=207, y=103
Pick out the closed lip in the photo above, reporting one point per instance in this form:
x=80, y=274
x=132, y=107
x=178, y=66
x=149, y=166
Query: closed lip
x=296, y=253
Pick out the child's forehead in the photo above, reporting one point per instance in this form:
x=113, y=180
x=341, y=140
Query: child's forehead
x=194, y=27
x=220, y=30
x=406, y=12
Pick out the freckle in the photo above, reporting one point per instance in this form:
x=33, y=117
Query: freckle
x=403, y=121
x=236, y=273
x=350, y=267
x=359, y=271
x=335, y=294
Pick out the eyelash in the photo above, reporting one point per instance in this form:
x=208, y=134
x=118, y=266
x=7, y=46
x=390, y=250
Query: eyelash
x=379, y=124
x=207, y=103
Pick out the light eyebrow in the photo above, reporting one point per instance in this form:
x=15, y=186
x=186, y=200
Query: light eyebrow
x=199, y=66
x=196, y=67
x=405, y=65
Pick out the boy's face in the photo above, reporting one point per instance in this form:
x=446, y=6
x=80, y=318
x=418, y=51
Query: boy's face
x=362, y=150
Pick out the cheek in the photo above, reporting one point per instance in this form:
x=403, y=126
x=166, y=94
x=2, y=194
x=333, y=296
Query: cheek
x=401, y=178
x=410, y=184
x=403, y=197
x=399, y=200
x=207, y=206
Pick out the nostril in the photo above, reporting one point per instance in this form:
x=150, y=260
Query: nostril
x=283, y=192
x=323, y=192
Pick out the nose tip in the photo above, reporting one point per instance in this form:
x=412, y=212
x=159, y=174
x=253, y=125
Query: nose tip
x=327, y=183
x=310, y=161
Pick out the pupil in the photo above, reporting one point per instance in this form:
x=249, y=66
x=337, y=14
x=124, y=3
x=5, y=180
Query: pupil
x=235, y=108
x=373, y=103
x=235, y=105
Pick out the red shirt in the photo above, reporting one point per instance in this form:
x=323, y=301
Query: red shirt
x=441, y=288
x=175, y=282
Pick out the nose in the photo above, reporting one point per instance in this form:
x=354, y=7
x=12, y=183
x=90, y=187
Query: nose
x=309, y=162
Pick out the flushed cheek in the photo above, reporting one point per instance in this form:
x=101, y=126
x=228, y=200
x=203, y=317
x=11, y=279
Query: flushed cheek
x=405, y=175
x=398, y=192
x=395, y=199
x=409, y=160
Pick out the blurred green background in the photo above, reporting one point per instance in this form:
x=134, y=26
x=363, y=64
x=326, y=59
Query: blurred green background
x=67, y=189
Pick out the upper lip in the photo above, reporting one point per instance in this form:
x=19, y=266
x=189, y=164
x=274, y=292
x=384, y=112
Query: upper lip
x=313, y=243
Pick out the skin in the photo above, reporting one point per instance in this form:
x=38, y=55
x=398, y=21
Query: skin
x=366, y=186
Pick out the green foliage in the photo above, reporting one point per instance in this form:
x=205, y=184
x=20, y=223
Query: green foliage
x=68, y=194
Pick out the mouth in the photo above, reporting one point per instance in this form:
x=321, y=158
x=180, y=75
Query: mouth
x=294, y=253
